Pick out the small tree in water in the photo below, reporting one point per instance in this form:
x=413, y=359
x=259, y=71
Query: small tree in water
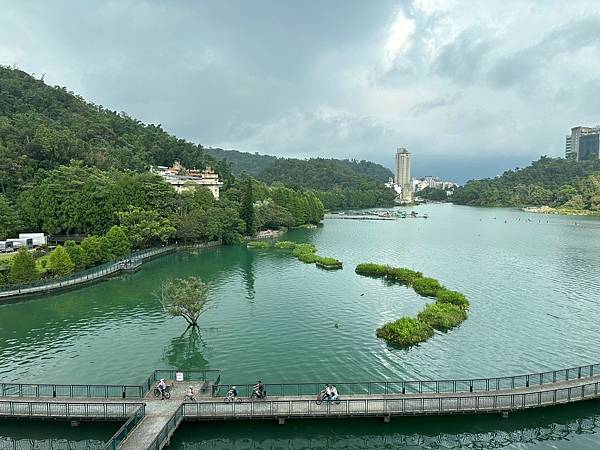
x=184, y=297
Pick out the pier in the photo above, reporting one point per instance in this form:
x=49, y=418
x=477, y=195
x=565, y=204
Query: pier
x=150, y=422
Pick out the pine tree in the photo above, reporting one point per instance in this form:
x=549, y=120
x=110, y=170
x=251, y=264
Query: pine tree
x=59, y=262
x=23, y=268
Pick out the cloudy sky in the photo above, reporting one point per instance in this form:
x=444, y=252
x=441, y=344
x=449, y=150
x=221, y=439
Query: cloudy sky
x=469, y=87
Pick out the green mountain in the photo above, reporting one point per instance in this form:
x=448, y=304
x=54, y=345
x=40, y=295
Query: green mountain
x=338, y=183
x=262, y=166
x=556, y=182
x=44, y=127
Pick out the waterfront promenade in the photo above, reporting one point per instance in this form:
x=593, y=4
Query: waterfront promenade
x=151, y=422
x=94, y=274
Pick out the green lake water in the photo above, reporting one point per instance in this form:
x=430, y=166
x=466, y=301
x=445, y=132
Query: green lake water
x=533, y=282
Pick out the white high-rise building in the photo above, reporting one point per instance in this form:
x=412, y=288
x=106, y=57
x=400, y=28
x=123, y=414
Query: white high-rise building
x=403, y=179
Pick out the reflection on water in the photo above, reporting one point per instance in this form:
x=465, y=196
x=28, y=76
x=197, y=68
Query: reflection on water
x=185, y=351
x=49, y=444
x=54, y=435
x=566, y=427
x=247, y=266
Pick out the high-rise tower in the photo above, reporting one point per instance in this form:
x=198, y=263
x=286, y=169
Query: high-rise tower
x=403, y=173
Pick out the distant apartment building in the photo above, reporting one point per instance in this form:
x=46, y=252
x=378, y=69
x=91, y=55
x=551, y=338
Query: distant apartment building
x=183, y=179
x=589, y=147
x=569, y=154
x=434, y=183
x=583, y=144
x=403, y=179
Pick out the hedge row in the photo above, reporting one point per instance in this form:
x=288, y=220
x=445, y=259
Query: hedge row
x=449, y=310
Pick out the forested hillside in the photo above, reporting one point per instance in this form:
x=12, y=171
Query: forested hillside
x=261, y=166
x=43, y=127
x=555, y=182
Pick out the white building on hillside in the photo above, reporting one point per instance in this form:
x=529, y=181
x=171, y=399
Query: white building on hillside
x=183, y=179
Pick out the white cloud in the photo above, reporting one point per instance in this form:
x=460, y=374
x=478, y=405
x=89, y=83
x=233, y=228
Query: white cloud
x=398, y=39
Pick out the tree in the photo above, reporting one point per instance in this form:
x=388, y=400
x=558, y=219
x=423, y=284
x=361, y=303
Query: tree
x=145, y=227
x=184, y=297
x=60, y=263
x=9, y=220
x=23, y=268
x=247, y=207
x=76, y=255
x=117, y=242
x=92, y=252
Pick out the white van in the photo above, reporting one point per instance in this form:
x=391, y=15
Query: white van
x=39, y=239
x=18, y=243
x=6, y=247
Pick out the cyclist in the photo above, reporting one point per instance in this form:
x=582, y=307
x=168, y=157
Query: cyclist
x=232, y=393
x=162, y=386
x=190, y=395
x=259, y=389
x=326, y=393
x=334, y=392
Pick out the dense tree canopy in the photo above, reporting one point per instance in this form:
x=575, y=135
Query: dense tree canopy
x=556, y=182
x=44, y=127
x=77, y=199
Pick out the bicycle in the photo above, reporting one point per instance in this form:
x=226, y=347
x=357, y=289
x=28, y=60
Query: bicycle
x=321, y=398
x=166, y=393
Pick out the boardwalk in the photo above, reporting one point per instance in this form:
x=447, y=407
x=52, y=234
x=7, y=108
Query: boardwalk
x=89, y=276
x=151, y=422
x=128, y=264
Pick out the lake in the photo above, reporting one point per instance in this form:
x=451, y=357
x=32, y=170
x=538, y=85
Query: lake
x=532, y=281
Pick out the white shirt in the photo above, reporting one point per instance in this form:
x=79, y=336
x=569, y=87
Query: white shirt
x=334, y=391
x=328, y=390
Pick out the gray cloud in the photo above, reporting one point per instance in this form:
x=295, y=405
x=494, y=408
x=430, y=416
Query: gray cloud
x=438, y=102
x=462, y=60
x=467, y=85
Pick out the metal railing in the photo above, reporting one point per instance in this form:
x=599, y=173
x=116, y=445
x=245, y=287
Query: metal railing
x=423, y=387
x=382, y=406
x=167, y=430
x=92, y=273
x=68, y=410
x=71, y=390
x=211, y=376
x=122, y=433
x=122, y=391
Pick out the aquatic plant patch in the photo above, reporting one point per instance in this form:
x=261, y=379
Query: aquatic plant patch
x=449, y=310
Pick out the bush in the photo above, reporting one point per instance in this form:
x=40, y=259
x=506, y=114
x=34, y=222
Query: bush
x=427, y=287
x=303, y=248
x=59, y=262
x=403, y=275
x=23, y=268
x=405, y=332
x=258, y=244
x=372, y=270
x=285, y=245
x=328, y=263
x=453, y=297
x=442, y=316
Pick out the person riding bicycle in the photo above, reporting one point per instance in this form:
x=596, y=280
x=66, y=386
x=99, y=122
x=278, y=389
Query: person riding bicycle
x=190, y=395
x=259, y=389
x=232, y=393
x=334, y=392
x=162, y=387
x=326, y=393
